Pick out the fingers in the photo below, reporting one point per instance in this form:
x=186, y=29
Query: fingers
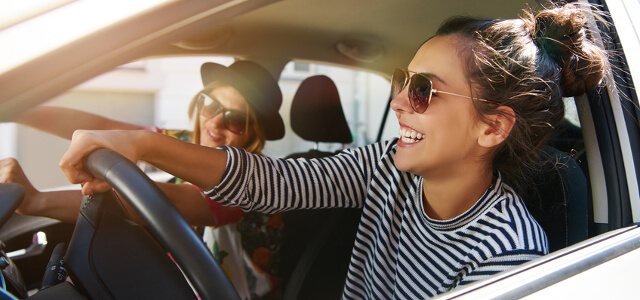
x=72, y=162
x=83, y=143
x=5, y=169
x=74, y=169
x=95, y=186
x=10, y=171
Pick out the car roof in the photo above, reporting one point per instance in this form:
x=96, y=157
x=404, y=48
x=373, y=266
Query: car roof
x=373, y=35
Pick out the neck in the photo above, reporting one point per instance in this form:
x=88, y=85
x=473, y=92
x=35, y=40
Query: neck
x=446, y=197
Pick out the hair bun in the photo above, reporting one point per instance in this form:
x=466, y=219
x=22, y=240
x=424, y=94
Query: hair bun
x=561, y=32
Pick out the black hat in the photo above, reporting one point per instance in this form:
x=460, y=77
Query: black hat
x=257, y=86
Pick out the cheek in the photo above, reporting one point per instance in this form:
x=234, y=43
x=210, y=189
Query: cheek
x=450, y=136
x=457, y=129
x=238, y=141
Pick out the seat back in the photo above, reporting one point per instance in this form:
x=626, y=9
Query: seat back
x=317, y=115
x=317, y=244
x=558, y=199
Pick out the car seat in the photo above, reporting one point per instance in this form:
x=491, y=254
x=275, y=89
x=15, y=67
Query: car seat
x=317, y=115
x=558, y=199
x=317, y=244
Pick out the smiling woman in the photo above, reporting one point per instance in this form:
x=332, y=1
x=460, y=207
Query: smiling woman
x=402, y=210
x=438, y=212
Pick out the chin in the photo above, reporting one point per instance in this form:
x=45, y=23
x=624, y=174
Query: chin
x=401, y=163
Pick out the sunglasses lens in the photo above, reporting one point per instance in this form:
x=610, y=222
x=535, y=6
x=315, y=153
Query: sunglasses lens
x=397, y=82
x=419, y=92
x=235, y=121
x=210, y=107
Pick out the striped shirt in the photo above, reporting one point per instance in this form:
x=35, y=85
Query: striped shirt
x=399, y=252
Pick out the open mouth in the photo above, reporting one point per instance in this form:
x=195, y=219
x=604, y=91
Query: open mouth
x=411, y=136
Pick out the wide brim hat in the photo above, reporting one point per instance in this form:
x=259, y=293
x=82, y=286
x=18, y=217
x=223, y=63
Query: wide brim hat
x=257, y=86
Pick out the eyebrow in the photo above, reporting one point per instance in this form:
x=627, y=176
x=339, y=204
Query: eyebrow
x=430, y=76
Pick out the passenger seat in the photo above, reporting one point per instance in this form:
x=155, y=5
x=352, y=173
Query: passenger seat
x=317, y=244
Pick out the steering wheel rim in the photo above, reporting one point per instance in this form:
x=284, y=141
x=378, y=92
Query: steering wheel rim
x=164, y=221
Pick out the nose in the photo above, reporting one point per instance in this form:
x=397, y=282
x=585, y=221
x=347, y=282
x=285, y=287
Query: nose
x=401, y=102
x=216, y=120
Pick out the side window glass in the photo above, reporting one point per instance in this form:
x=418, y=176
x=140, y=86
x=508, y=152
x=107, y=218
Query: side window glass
x=570, y=134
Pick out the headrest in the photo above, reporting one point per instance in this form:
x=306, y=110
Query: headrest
x=316, y=112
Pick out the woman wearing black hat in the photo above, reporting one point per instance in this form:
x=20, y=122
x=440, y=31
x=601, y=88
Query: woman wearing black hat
x=238, y=107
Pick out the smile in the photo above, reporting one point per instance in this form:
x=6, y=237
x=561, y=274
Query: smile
x=408, y=135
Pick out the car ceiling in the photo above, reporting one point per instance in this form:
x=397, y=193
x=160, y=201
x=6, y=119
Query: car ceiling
x=387, y=33
x=380, y=35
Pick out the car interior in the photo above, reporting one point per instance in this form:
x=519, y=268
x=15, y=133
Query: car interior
x=312, y=237
x=580, y=192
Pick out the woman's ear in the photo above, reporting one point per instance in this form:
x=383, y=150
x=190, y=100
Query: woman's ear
x=498, y=127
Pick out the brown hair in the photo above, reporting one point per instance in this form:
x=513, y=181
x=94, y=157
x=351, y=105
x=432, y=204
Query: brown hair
x=256, y=141
x=528, y=64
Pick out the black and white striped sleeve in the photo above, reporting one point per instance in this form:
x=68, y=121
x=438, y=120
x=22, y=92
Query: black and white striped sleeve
x=254, y=182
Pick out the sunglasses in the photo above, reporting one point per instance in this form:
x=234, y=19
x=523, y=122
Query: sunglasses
x=235, y=121
x=420, y=89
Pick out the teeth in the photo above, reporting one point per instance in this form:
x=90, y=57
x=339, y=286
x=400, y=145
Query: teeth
x=410, y=136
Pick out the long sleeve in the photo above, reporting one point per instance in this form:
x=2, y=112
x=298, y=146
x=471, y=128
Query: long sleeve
x=253, y=182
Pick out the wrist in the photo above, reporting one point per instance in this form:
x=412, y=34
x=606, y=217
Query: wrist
x=146, y=142
x=33, y=204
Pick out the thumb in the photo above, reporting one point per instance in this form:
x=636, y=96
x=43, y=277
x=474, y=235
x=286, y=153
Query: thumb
x=95, y=186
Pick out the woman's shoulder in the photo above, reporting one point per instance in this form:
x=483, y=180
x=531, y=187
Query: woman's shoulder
x=506, y=201
x=509, y=217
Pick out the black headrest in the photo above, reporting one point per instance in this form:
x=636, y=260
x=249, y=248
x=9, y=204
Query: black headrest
x=316, y=112
x=558, y=199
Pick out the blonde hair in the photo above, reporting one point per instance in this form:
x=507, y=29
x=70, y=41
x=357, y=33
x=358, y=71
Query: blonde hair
x=256, y=141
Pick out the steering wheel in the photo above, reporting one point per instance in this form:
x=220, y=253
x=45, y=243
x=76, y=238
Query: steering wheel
x=163, y=220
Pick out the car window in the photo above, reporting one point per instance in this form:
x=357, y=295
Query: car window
x=364, y=97
x=157, y=92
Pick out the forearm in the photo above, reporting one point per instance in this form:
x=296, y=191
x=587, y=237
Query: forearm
x=63, y=122
x=202, y=166
x=65, y=205
x=271, y=185
x=190, y=202
x=60, y=205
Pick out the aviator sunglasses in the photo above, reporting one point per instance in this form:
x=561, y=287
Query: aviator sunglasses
x=420, y=89
x=234, y=120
